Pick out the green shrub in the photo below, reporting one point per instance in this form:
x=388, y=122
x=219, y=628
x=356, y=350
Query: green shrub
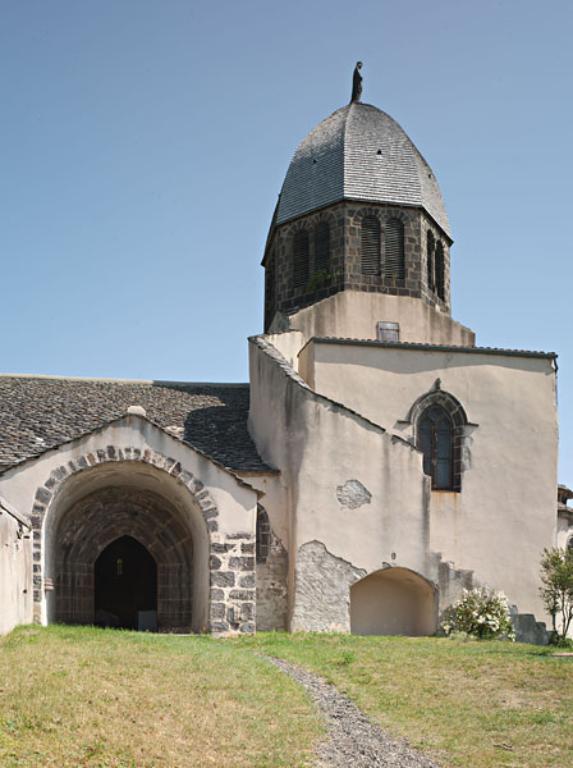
x=481, y=614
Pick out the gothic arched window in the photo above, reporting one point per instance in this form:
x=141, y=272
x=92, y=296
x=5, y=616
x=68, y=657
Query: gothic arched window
x=436, y=441
x=440, y=269
x=370, y=246
x=322, y=247
x=430, y=245
x=263, y=543
x=394, y=262
x=300, y=258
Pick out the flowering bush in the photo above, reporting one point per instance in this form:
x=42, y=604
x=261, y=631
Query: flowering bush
x=480, y=614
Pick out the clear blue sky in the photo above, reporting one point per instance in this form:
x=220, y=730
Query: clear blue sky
x=144, y=144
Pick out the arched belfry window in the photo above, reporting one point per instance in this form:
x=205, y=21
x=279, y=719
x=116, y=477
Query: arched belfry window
x=322, y=247
x=370, y=246
x=270, y=284
x=436, y=441
x=440, y=270
x=300, y=259
x=394, y=262
x=263, y=541
x=430, y=246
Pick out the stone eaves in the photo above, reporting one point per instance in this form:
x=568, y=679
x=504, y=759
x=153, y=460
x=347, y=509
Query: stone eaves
x=419, y=346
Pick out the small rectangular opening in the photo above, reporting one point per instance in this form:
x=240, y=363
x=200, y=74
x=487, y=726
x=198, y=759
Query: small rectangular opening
x=386, y=331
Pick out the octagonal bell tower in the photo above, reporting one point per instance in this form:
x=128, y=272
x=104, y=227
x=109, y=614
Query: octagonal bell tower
x=360, y=211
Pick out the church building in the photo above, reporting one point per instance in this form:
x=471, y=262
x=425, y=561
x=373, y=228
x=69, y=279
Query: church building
x=378, y=462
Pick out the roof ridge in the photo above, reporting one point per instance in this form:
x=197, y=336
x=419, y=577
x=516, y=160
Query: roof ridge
x=109, y=380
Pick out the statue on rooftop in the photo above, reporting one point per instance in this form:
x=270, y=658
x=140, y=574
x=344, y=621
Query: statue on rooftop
x=356, y=83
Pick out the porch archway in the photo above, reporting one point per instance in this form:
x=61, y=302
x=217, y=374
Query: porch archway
x=100, y=505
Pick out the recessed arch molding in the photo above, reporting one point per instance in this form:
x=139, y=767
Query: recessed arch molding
x=230, y=560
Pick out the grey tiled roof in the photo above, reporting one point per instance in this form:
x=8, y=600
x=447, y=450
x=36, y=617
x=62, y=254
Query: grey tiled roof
x=37, y=413
x=339, y=160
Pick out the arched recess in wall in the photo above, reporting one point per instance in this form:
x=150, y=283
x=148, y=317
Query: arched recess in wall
x=393, y=601
x=98, y=506
x=440, y=428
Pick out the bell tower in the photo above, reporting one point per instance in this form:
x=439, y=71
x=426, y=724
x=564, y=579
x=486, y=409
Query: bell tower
x=360, y=211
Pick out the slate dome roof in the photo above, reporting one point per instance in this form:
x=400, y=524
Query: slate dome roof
x=359, y=153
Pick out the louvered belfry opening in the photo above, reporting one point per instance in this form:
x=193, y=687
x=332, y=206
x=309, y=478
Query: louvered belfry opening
x=300, y=265
x=440, y=282
x=270, y=291
x=370, y=246
x=322, y=247
x=394, y=261
x=430, y=246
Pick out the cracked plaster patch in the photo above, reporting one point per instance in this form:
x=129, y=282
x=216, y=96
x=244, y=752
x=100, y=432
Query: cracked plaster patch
x=353, y=494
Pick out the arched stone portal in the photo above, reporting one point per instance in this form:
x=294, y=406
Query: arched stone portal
x=393, y=601
x=205, y=564
x=97, y=505
x=87, y=527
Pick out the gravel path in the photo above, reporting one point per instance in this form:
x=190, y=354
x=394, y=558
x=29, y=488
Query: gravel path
x=353, y=741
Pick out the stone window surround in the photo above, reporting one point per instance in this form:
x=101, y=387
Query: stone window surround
x=457, y=413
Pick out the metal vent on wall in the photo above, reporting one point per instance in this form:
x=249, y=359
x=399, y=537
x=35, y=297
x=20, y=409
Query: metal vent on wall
x=386, y=331
x=370, y=246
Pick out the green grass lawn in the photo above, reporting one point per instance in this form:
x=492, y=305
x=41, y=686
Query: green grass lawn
x=91, y=697
x=470, y=704
x=73, y=697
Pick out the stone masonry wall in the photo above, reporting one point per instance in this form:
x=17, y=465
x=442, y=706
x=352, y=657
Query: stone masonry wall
x=233, y=583
x=345, y=258
x=322, y=587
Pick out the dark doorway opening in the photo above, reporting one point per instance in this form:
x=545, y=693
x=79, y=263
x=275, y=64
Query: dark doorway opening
x=126, y=586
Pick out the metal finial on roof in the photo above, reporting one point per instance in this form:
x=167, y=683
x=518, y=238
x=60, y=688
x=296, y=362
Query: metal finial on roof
x=356, y=83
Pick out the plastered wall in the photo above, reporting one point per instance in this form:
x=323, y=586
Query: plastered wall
x=15, y=571
x=506, y=512
x=354, y=314
x=356, y=495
